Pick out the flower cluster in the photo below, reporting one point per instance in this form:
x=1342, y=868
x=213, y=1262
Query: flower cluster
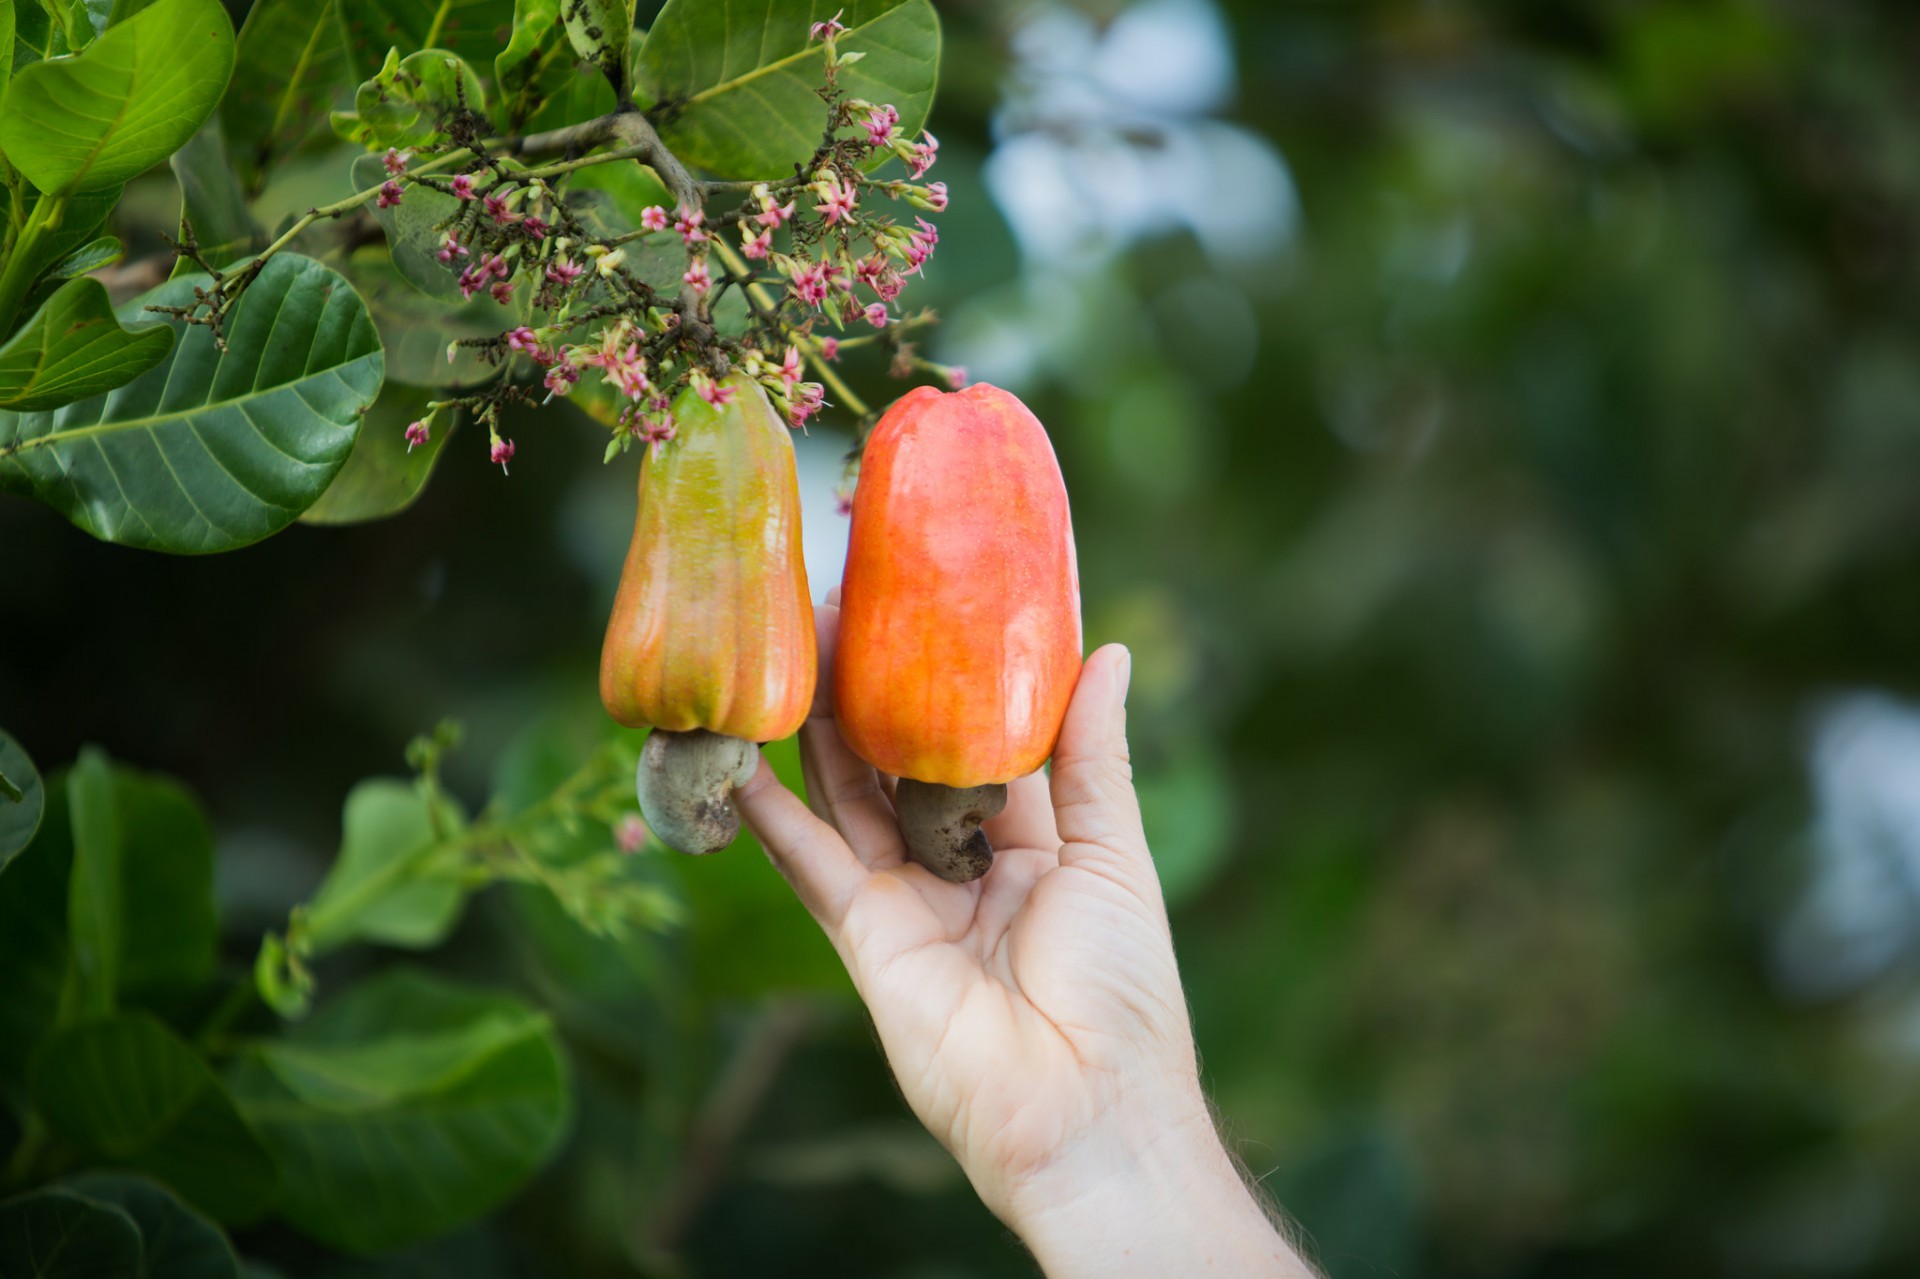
x=812, y=254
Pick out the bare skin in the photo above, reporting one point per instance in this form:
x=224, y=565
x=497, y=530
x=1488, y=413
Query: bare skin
x=1034, y=1018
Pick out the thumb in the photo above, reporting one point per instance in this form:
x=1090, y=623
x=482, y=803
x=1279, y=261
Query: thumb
x=1093, y=800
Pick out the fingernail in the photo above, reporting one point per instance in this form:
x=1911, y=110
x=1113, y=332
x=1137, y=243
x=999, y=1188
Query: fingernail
x=1125, y=675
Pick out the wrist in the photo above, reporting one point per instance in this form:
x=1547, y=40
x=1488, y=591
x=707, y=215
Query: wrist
x=1150, y=1192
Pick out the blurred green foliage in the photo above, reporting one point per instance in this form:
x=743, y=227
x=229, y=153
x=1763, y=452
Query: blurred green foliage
x=1494, y=504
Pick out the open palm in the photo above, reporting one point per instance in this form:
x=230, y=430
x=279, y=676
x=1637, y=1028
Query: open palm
x=1020, y=1010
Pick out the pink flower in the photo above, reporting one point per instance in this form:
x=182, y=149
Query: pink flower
x=756, y=247
x=956, y=376
x=789, y=370
x=396, y=161
x=880, y=122
x=502, y=292
x=631, y=833
x=451, y=248
x=416, y=432
x=828, y=29
x=653, y=218
x=472, y=280
x=843, y=501
x=495, y=264
x=563, y=272
x=804, y=402
x=771, y=214
x=876, y=315
x=534, y=228
x=836, y=201
x=496, y=206
x=502, y=452
x=524, y=340
x=389, y=194
x=713, y=392
x=921, y=155
x=691, y=220
x=463, y=186
x=829, y=348
x=657, y=430
x=937, y=196
x=809, y=283
x=697, y=277
x=561, y=377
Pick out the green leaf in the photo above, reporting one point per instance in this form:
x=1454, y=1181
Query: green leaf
x=94, y=893
x=176, y=1242
x=473, y=29
x=543, y=83
x=48, y=256
x=211, y=201
x=399, y=878
x=6, y=47
x=404, y=1108
x=413, y=234
x=208, y=451
x=73, y=347
x=734, y=82
x=410, y=101
x=23, y=799
x=33, y=934
x=416, y=329
x=130, y=1089
x=90, y=256
x=141, y=912
x=61, y=1234
x=535, y=24
x=291, y=62
x=598, y=31
x=383, y=475
x=124, y=104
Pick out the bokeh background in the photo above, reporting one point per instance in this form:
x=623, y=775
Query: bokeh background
x=1495, y=429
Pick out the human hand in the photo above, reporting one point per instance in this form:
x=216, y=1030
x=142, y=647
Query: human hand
x=1034, y=1018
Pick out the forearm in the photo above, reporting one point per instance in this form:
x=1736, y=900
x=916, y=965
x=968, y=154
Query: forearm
x=1151, y=1199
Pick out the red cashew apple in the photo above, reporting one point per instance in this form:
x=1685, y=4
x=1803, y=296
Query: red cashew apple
x=711, y=640
x=959, y=614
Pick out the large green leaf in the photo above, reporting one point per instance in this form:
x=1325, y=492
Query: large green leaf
x=474, y=29
x=23, y=799
x=291, y=63
x=398, y=878
x=385, y=475
x=122, y=105
x=211, y=201
x=734, y=82
x=130, y=1089
x=208, y=450
x=94, y=896
x=62, y=1234
x=73, y=347
x=176, y=1242
x=405, y=1107
x=33, y=935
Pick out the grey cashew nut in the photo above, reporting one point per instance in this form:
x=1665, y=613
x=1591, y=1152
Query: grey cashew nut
x=686, y=783
x=942, y=826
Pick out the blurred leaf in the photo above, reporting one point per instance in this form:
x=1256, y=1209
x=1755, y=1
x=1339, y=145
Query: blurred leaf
x=130, y=1089
x=404, y=1108
x=127, y=102
x=568, y=90
x=416, y=329
x=1187, y=809
x=535, y=24
x=58, y=1234
x=23, y=799
x=383, y=475
x=33, y=934
x=472, y=29
x=176, y=1241
x=409, y=102
x=734, y=86
x=398, y=879
x=140, y=907
x=291, y=62
x=233, y=447
x=211, y=201
x=73, y=348
x=414, y=237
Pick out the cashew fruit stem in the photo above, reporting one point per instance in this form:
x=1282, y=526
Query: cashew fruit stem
x=686, y=783
x=942, y=826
